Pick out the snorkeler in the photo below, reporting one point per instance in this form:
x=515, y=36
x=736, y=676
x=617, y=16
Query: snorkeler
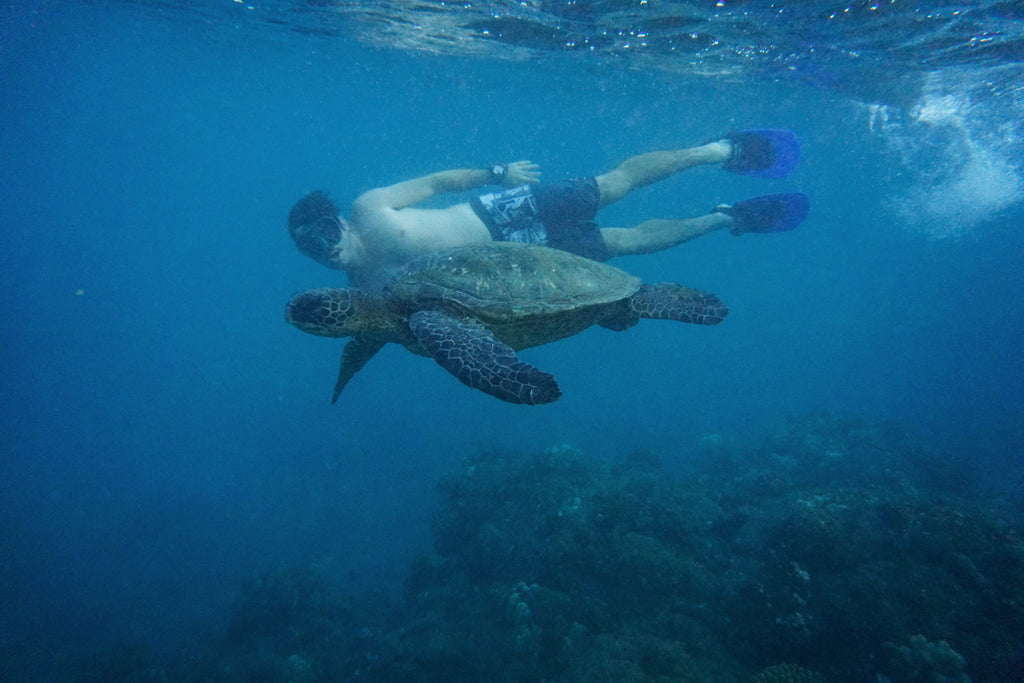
x=384, y=230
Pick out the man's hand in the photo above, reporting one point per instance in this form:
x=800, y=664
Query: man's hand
x=521, y=172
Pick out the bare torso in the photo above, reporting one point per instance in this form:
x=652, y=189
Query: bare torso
x=384, y=239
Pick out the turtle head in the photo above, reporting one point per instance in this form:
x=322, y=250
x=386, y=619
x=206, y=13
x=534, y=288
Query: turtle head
x=326, y=312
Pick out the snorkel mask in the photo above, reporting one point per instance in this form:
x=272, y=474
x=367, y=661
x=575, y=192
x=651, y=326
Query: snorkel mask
x=319, y=240
x=316, y=228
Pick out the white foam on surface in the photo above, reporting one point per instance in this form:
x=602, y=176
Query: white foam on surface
x=955, y=155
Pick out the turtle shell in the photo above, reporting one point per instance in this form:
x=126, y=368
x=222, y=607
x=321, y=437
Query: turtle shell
x=508, y=282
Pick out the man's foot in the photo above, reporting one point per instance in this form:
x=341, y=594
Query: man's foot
x=769, y=213
x=763, y=152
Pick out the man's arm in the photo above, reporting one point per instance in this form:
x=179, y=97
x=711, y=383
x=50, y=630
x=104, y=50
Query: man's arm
x=414, y=191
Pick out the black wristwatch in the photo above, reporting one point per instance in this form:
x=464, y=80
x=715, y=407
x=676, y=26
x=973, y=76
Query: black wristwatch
x=498, y=173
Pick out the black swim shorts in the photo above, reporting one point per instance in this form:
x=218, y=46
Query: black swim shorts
x=558, y=215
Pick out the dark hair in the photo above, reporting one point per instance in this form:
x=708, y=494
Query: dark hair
x=310, y=209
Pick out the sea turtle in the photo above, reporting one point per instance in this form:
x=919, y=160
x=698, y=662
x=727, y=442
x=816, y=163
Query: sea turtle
x=472, y=308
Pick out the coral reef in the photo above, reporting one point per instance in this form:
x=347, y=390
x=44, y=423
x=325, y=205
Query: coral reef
x=786, y=673
x=835, y=551
x=922, y=660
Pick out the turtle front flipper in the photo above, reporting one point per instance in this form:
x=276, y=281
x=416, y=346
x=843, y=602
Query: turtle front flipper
x=357, y=351
x=472, y=353
x=669, y=301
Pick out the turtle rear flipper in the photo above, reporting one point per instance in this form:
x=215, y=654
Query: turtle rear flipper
x=478, y=359
x=669, y=301
x=354, y=356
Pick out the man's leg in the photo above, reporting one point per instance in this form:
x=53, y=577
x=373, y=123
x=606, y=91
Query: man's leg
x=660, y=233
x=765, y=214
x=651, y=167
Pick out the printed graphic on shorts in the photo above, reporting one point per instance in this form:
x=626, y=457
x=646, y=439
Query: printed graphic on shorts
x=510, y=207
x=529, y=232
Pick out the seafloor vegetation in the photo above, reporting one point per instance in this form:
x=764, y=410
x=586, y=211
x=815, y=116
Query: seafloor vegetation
x=835, y=551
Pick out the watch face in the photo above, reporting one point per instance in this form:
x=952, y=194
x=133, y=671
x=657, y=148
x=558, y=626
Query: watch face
x=498, y=169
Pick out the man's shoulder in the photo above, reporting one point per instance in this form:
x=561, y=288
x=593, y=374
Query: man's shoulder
x=371, y=200
x=388, y=230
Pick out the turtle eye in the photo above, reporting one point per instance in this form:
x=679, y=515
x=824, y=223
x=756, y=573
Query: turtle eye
x=306, y=307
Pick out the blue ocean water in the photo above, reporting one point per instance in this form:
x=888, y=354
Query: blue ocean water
x=168, y=436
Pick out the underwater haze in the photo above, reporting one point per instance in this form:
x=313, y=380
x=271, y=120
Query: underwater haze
x=169, y=439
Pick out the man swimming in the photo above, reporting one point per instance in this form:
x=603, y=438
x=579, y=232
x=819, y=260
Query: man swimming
x=384, y=229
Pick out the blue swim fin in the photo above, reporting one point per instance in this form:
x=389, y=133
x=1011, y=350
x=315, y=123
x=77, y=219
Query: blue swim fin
x=763, y=152
x=769, y=213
